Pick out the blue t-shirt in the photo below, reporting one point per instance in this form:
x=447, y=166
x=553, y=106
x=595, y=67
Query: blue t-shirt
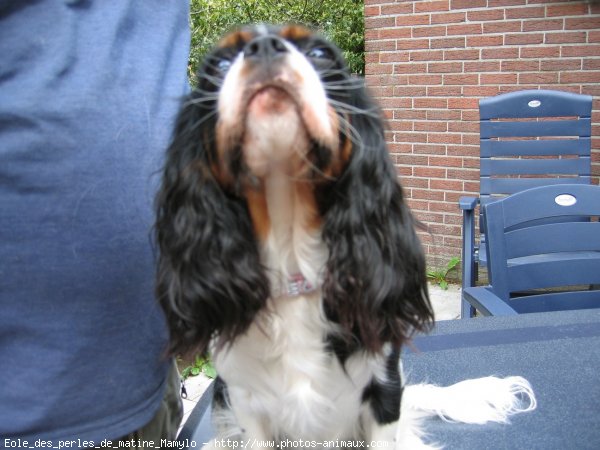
x=88, y=93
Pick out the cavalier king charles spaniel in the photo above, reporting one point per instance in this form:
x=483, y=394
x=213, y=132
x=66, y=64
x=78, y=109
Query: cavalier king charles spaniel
x=288, y=252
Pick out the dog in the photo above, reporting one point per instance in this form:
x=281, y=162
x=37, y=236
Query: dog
x=288, y=252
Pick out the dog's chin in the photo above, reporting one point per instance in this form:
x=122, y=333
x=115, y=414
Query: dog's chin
x=276, y=137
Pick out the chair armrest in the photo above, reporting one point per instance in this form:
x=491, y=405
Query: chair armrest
x=487, y=302
x=468, y=203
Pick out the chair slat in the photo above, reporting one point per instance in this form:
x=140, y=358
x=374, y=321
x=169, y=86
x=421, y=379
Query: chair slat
x=570, y=166
x=513, y=185
x=555, y=273
x=553, y=238
x=541, y=204
x=556, y=301
x=535, y=103
x=575, y=127
x=548, y=147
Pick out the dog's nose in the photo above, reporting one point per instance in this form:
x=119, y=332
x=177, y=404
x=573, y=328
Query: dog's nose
x=265, y=48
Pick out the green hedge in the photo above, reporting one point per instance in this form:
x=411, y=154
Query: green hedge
x=341, y=21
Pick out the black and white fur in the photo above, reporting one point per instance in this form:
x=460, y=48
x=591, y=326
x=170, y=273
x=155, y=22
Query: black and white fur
x=288, y=252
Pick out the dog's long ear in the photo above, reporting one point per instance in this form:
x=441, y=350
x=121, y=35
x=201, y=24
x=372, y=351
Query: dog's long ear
x=375, y=283
x=210, y=281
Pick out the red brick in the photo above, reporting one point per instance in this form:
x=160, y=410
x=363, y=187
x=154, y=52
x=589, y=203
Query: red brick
x=461, y=79
x=573, y=9
x=432, y=6
x=526, y=12
x=561, y=64
x=523, y=39
x=485, y=14
x=396, y=8
x=463, y=127
x=482, y=66
x=429, y=172
x=427, y=55
x=372, y=11
x=520, y=66
x=540, y=52
x=412, y=137
x=430, y=103
x=410, y=91
x=395, y=33
x=428, y=31
x=502, y=27
x=582, y=23
x=581, y=50
x=594, y=37
x=410, y=68
x=458, y=42
x=463, y=103
x=464, y=29
x=410, y=114
x=379, y=22
x=464, y=4
x=498, y=78
x=373, y=46
x=497, y=3
x=446, y=185
x=484, y=41
x=444, y=91
x=538, y=78
x=412, y=20
x=391, y=57
x=444, y=114
x=412, y=44
x=380, y=68
x=455, y=55
x=580, y=77
x=429, y=149
x=543, y=25
x=480, y=91
x=425, y=79
x=430, y=125
x=591, y=64
x=447, y=18
x=444, y=67
x=444, y=138
x=462, y=174
x=500, y=53
x=566, y=38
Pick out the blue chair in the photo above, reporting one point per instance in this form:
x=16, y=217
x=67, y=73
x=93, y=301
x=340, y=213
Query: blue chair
x=528, y=138
x=541, y=255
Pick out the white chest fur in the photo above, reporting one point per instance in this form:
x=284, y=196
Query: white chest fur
x=281, y=373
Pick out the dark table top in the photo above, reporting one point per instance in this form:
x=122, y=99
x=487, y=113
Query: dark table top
x=558, y=352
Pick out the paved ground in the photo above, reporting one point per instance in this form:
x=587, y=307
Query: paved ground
x=446, y=305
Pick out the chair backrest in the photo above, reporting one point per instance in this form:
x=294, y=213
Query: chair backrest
x=552, y=263
x=533, y=138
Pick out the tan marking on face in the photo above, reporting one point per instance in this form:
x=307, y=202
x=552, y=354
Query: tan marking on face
x=235, y=39
x=295, y=32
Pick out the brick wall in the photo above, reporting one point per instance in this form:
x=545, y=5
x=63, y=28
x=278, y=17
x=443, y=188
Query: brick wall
x=429, y=62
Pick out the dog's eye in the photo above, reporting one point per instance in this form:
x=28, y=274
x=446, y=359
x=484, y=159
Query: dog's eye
x=223, y=64
x=320, y=53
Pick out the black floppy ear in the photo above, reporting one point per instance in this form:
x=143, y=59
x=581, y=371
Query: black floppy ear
x=210, y=281
x=375, y=283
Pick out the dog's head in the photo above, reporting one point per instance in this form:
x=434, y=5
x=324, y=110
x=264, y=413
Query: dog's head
x=281, y=99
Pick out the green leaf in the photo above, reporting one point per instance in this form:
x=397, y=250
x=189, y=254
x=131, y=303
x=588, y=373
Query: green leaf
x=195, y=371
x=209, y=370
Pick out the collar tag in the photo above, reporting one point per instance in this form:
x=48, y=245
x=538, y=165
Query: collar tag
x=298, y=285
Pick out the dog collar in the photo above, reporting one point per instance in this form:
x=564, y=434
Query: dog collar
x=295, y=286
